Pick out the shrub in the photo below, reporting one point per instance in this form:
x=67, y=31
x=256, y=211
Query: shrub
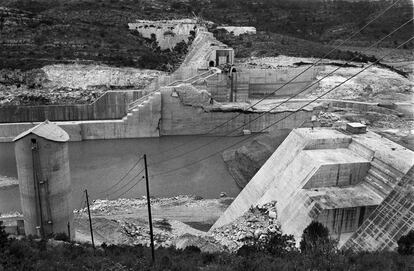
x=276, y=244
x=61, y=236
x=406, y=244
x=313, y=236
x=3, y=237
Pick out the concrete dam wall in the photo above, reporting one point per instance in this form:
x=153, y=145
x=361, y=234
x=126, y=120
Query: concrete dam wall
x=142, y=121
x=178, y=110
x=387, y=223
x=257, y=83
x=330, y=176
x=185, y=112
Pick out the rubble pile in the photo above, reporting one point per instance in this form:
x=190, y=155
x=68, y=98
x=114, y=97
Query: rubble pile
x=256, y=224
x=327, y=119
x=373, y=120
x=140, y=235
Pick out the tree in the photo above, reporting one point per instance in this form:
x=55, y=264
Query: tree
x=406, y=244
x=273, y=243
x=3, y=237
x=314, y=235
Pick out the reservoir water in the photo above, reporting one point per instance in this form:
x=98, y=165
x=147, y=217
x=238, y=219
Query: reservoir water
x=97, y=165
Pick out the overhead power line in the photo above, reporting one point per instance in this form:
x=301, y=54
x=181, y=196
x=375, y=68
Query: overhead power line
x=126, y=184
x=274, y=123
x=129, y=189
x=294, y=78
x=281, y=103
x=104, y=192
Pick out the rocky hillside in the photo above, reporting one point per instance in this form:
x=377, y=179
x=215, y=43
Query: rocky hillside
x=35, y=33
x=38, y=33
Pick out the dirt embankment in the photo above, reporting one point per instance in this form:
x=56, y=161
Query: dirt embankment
x=179, y=221
x=125, y=221
x=374, y=84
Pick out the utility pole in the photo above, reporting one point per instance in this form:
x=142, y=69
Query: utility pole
x=90, y=220
x=69, y=232
x=149, y=209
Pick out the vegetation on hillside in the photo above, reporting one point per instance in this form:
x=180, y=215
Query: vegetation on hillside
x=39, y=32
x=265, y=44
x=277, y=253
x=321, y=21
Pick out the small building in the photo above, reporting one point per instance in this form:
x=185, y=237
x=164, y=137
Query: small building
x=239, y=30
x=44, y=180
x=219, y=56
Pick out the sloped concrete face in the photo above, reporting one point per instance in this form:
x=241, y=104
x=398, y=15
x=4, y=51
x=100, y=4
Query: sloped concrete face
x=327, y=176
x=275, y=166
x=393, y=218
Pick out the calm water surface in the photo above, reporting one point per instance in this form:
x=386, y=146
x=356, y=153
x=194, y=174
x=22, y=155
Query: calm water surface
x=97, y=165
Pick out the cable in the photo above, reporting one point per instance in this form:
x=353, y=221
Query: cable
x=274, y=123
x=130, y=181
x=132, y=186
x=283, y=102
x=291, y=80
x=120, y=180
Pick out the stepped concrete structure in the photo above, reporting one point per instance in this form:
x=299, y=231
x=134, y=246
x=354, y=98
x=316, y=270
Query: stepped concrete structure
x=331, y=176
x=391, y=220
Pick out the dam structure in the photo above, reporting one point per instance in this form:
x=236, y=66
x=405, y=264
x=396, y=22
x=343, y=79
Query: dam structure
x=163, y=107
x=340, y=178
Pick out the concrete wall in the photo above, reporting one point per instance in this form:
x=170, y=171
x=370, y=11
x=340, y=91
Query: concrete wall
x=263, y=82
x=391, y=220
x=180, y=119
x=329, y=176
x=345, y=220
x=343, y=174
x=141, y=122
x=275, y=166
x=257, y=83
x=111, y=105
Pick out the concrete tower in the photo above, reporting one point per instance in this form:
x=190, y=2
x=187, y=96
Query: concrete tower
x=44, y=180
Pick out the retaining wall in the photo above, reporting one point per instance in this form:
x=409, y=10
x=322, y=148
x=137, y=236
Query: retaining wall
x=180, y=119
x=111, y=105
x=141, y=122
x=257, y=83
